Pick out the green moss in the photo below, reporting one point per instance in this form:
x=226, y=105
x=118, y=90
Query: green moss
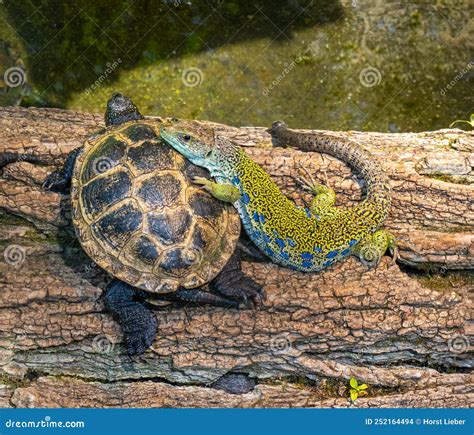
x=325, y=388
x=10, y=219
x=240, y=52
x=447, y=281
x=450, y=178
x=456, y=229
x=13, y=382
x=32, y=233
x=38, y=237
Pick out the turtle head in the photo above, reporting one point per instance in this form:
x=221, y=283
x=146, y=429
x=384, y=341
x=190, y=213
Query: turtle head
x=121, y=109
x=202, y=147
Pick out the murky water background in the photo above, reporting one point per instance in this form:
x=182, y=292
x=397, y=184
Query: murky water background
x=362, y=65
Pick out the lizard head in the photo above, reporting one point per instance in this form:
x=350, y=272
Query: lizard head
x=202, y=147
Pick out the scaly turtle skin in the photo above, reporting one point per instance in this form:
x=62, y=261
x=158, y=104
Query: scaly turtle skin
x=138, y=215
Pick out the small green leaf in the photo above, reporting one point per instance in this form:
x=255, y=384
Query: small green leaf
x=455, y=122
x=463, y=121
x=363, y=387
x=354, y=395
x=353, y=383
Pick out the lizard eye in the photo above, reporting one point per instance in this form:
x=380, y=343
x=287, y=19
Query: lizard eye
x=186, y=137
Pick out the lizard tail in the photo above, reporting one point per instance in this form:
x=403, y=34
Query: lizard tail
x=378, y=197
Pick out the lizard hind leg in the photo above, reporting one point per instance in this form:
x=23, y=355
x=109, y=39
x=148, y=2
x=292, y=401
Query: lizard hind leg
x=324, y=197
x=371, y=249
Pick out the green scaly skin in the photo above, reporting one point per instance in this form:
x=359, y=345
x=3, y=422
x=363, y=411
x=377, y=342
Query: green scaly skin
x=308, y=240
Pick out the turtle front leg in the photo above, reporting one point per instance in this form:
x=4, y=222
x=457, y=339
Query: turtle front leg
x=232, y=283
x=139, y=325
x=195, y=296
x=223, y=192
x=60, y=179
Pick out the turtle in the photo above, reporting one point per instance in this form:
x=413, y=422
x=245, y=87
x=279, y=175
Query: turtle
x=138, y=216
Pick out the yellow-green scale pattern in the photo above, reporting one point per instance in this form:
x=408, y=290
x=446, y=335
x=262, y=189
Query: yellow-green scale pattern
x=295, y=237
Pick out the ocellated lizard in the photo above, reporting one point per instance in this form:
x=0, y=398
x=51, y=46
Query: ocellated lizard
x=306, y=239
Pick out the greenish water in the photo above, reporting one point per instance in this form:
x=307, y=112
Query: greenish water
x=362, y=65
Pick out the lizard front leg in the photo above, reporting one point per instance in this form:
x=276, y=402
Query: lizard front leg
x=371, y=249
x=223, y=192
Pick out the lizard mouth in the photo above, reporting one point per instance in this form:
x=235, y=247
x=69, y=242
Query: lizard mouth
x=170, y=138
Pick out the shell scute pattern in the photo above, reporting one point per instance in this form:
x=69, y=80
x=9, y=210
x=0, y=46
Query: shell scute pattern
x=151, y=156
x=160, y=190
x=103, y=192
x=171, y=227
x=116, y=228
x=106, y=155
x=140, y=218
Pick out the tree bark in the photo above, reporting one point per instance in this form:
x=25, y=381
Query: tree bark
x=403, y=330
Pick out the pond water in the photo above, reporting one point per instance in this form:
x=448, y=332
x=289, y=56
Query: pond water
x=360, y=65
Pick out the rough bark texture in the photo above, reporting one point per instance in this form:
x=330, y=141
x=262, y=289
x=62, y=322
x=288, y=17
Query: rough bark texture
x=403, y=330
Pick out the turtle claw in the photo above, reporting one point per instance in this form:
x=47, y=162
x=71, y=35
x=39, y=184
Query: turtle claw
x=56, y=181
x=138, y=340
x=239, y=287
x=138, y=324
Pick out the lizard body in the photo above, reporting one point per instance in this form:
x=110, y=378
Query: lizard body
x=305, y=239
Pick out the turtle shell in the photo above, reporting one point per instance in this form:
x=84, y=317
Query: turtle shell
x=138, y=215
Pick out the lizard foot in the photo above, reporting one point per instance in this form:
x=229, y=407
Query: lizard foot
x=223, y=192
x=371, y=250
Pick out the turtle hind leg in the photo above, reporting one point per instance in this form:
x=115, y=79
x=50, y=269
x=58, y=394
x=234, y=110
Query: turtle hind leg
x=60, y=179
x=232, y=283
x=139, y=325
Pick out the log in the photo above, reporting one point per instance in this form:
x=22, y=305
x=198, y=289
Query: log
x=404, y=330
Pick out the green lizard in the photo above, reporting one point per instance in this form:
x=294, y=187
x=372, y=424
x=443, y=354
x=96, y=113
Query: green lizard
x=307, y=240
